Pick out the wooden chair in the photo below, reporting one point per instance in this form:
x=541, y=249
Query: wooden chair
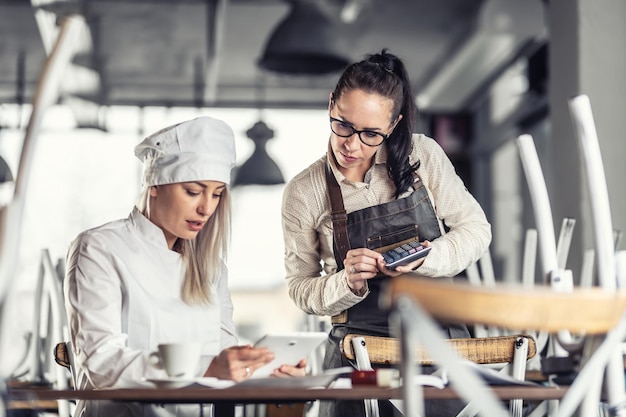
x=509, y=353
x=417, y=302
x=483, y=350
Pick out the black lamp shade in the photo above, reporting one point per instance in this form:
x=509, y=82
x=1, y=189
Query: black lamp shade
x=259, y=169
x=306, y=42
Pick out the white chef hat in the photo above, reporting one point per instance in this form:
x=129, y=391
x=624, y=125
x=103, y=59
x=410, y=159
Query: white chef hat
x=201, y=149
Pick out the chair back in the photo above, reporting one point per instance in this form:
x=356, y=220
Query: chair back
x=482, y=350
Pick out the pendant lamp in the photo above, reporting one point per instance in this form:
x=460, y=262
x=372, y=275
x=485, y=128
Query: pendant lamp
x=311, y=40
x=259, y=169
x=5, y=172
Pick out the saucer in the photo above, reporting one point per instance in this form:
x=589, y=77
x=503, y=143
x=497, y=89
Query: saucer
x=180, y=382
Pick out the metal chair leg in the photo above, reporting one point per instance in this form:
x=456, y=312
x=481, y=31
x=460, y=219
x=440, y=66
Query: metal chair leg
x=363, y=364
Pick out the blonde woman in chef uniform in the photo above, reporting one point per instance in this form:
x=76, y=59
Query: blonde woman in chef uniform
x=159, y=275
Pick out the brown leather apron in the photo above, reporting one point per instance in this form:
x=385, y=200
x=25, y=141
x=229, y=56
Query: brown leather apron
x=378, y=228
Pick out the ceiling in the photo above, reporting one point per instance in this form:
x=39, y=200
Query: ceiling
x=205, y=53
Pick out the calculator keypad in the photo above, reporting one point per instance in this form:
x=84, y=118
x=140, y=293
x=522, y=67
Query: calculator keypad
x=411, y=250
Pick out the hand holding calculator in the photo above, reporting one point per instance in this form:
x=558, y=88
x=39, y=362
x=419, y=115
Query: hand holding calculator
x=405, y=253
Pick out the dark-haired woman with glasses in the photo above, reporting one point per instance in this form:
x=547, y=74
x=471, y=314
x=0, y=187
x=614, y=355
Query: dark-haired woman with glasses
x=378, y=185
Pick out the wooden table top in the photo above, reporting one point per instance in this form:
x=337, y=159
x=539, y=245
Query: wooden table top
x=257, y=394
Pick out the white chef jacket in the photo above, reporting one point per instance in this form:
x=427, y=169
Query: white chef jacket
x=123, y=297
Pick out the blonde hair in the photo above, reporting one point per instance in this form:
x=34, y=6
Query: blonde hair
x=204, y=257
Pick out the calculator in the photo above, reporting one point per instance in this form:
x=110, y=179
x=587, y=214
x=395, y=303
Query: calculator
x=405, y=253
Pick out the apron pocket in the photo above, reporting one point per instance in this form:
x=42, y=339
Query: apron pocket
x=382, y=243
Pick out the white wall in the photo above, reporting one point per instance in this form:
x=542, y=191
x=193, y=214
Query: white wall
x=83, y=178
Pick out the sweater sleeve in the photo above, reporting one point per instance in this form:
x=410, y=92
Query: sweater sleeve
x=469, y=232
x=314, y=286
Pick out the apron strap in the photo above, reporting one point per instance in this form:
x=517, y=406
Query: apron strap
x=340, y=229
x=338, y=213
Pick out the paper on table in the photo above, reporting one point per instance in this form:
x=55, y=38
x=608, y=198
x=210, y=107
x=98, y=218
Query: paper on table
x=322, y=380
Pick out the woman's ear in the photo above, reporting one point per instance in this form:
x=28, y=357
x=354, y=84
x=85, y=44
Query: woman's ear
x=330, y=101
x=154, y=191
x=395, y=123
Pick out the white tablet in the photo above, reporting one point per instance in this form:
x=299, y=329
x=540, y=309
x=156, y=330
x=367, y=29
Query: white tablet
x=289, y=349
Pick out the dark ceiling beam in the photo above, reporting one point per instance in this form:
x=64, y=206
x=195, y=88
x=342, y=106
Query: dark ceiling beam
x=199, y=84
x=20, y=77
x=166, y=2
x=306, y=104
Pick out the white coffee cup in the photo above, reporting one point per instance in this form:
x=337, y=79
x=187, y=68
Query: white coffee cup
x=180, y=360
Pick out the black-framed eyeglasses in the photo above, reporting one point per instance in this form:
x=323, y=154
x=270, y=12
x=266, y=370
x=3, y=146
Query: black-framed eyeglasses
x=345, y=130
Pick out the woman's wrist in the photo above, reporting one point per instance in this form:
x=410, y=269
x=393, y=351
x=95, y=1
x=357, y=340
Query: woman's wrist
x=359, y=292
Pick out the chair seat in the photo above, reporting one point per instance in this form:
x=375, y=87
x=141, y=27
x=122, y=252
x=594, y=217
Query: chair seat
x=582, y=310
x=483, y=350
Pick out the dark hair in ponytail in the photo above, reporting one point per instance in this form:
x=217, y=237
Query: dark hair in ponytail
x=384, y=74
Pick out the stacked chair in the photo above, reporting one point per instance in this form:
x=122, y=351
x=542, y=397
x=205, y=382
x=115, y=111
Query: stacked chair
x=582, y=325
x=37, y=367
